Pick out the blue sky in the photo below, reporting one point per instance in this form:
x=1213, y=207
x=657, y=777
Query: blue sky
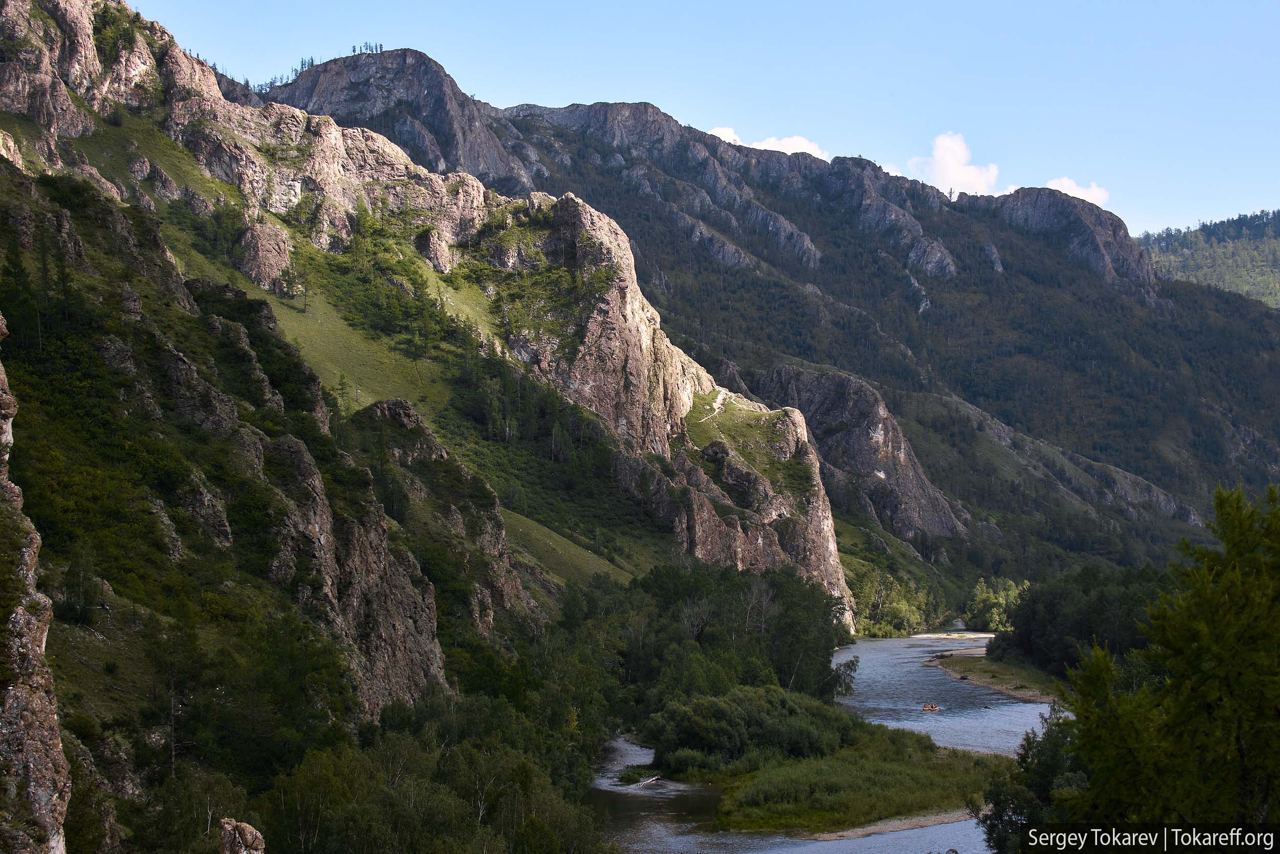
x=1168, y=113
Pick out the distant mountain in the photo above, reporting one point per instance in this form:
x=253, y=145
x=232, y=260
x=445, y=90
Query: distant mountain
x=1240, y=254
x=1033, y=315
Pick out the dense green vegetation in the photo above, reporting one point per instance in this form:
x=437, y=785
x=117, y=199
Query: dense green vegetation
x=1197, y=735
x=709, y=733
x=881, y=773
x=538, y=298
x=1240, y=254
x=788, y=761
x=1057, y=621
x=192, y=641
x=495, y=764
x=895, y=591
x=241, y=684
x=548, y=460
x=990, y=605
x=202, y=679
x=1001, y=483
x=751, y=433
x=115, y=28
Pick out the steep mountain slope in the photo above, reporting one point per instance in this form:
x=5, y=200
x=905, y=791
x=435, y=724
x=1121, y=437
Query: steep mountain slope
x=206, y=537
x=1240, y=254
x=742, y=487
x=1016, y=304
x=315, y=175
x=247, y=567
x=283, y=388
x=866, y=456
x=34, y=803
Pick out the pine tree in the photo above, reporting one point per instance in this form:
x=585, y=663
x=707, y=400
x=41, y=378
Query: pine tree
x=63, y=276
x=17, y=284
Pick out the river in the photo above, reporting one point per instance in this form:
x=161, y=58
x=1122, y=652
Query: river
x=891, y=686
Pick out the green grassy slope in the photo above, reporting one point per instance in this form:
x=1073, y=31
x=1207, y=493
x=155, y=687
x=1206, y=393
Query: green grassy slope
x=564, y=559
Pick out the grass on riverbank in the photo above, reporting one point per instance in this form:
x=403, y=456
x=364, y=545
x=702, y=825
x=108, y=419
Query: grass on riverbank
x=1014, y=677
x=886, y=773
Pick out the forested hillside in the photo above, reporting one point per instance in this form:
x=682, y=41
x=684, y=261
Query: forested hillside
x=1240, y=254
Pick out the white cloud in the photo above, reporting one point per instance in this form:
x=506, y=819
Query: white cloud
x=1092, y=193
x=785, y=144
x=727, y=134
x=949, y=168
x=793, y=145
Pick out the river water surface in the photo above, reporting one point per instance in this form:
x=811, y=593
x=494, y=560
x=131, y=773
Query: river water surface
x=891, y=685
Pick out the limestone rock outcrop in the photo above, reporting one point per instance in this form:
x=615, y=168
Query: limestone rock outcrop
x=48, y=56
x=282, y=161
x=1096, y=238
x=740, y=206
x=333, y=549
x=237, y=837
x=412, y=99
x=867, y=461
x=434, y=482
x=263, y=254
x=627, y=371
x=36, y=779
x=371, y=592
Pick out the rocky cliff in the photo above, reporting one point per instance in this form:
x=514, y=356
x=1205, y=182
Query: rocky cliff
x=765, y=256
x=281, y=161
x=624, y=368
x=335, y=552
x=287, y=166
x=1096, y=238
x=367, y=590
x=37, y=781
x=618, y=364
x=189, y=466
x=729, y=201
x=425, y=489
x=762, y=256
x=867, y=461
x=742, y=487
x=410, y=98
x=237, y=837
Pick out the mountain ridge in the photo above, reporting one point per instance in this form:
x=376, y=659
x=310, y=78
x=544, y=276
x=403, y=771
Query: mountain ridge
x=764, y=224
x=644, y=125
